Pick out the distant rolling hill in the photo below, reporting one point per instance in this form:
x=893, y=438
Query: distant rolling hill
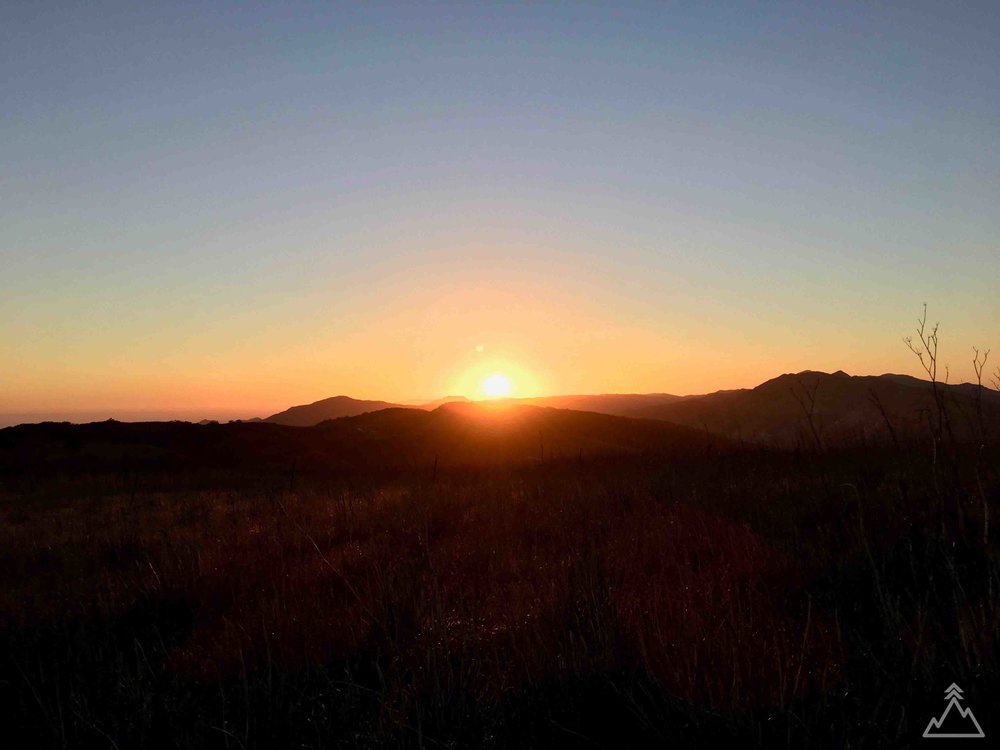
x=307, y=415
x=843, y=407
x=619, y=404
x=775, y=413
x=475, y=433
x=455, y=434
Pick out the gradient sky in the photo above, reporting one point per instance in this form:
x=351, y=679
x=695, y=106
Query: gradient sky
x=227, y=208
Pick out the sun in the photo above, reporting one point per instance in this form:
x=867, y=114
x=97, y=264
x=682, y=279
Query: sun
x=497, y=385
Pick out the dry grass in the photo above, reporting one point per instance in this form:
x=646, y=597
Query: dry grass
x=764, y=598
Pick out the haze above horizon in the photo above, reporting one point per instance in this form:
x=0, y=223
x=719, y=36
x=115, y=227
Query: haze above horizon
x=230, y=209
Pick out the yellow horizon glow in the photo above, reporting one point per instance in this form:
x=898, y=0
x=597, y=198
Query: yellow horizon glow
x=396, y=337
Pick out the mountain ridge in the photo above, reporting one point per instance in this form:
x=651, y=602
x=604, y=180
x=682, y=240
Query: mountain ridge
x=306, y=415
x=811, y=407
x=789, y=409
x=397, y=438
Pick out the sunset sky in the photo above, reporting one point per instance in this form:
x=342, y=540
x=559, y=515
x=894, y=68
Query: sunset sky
x=222, y=209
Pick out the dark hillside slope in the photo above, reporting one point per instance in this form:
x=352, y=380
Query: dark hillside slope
x=843, y=408
x=398, y=438
x=307, y=415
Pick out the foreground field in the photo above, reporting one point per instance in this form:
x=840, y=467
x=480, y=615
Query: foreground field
x=766, y=598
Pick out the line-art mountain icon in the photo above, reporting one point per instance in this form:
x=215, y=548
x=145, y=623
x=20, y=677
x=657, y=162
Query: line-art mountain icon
x=960, y=723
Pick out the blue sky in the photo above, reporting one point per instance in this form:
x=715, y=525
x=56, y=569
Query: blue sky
x=238, y=205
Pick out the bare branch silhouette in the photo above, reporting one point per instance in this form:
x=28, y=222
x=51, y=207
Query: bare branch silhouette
x=885, y=417
x=979, y=365
x=807, y=400
x=926, y=349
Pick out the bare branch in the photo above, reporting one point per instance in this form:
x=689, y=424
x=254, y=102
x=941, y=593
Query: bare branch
x=979, y=364
x=885, y=417
x=807, y=401
x=925, y=347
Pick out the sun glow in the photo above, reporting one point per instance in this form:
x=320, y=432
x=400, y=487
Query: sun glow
x=497, y=377
x=497, y=385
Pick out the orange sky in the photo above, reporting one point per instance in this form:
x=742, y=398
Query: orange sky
x=226, y=210
x=410, y=338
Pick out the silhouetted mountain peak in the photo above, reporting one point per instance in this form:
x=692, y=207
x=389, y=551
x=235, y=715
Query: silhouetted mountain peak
x=334, y=407
x=818, y=408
